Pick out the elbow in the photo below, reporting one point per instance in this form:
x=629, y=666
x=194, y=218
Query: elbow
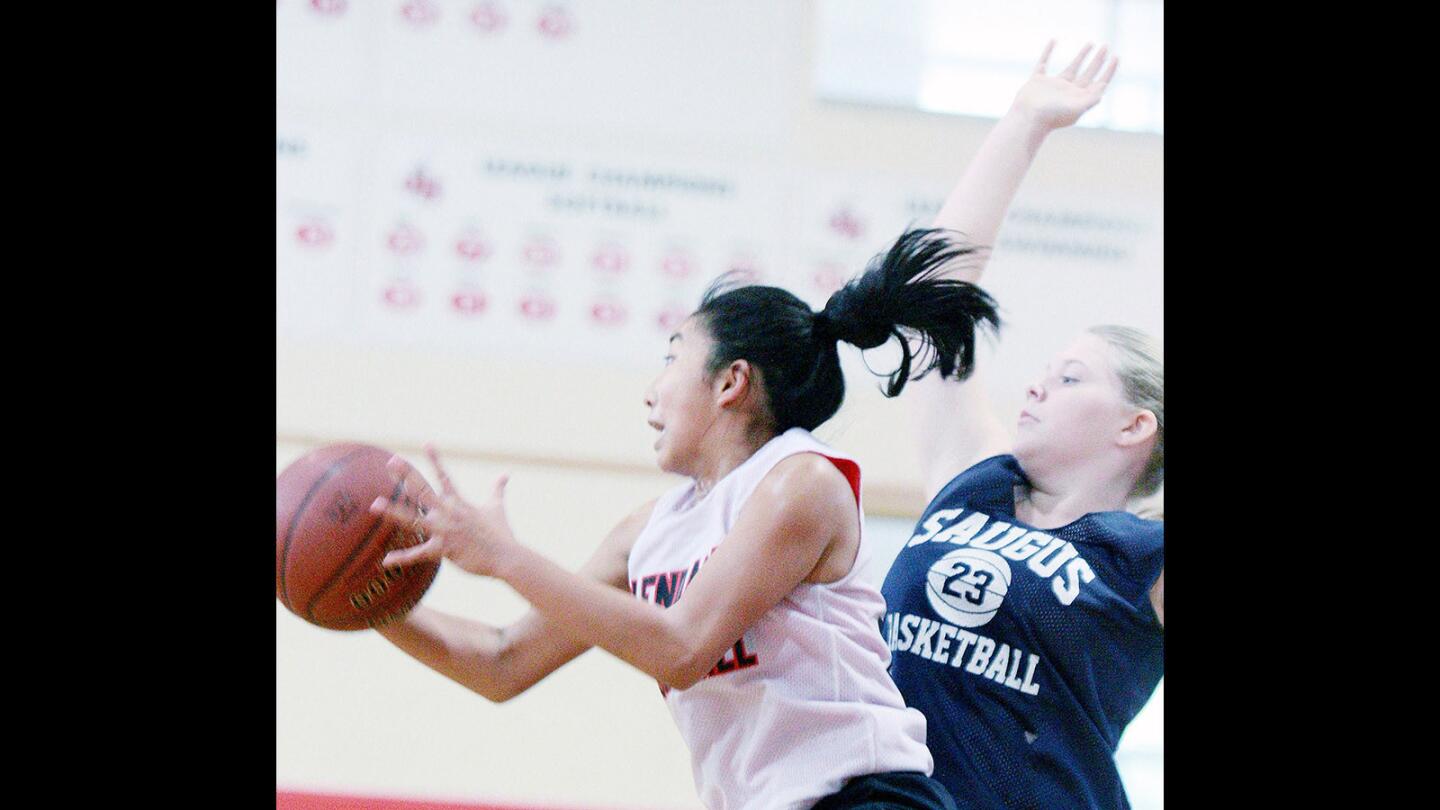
x=493, y=693
x=677, y=644
x=492, y=689
x=491, y=677
x=680, y=679
x=692, y=669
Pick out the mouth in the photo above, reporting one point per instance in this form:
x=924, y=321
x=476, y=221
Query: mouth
x=652, y=423
x=1026, y=415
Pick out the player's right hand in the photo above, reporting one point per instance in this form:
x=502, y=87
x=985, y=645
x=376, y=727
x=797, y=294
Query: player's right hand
x=1053, y=102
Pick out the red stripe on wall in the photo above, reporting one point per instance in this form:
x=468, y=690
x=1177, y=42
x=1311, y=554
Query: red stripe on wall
x=292, y=800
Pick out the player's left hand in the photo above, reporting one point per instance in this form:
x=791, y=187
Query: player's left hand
x=472, y=537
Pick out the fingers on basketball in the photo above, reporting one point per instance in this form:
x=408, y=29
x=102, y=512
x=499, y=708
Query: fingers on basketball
x=414, y=486
x=432, y=549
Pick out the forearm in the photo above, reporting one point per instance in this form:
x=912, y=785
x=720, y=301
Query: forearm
x=467, y=652
x=977, y=205
x=639, y=633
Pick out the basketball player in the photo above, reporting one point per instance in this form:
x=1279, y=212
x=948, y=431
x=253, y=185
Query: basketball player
x=744, y=599
x=1025, y=613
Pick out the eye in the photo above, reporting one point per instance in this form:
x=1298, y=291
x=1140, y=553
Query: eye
x=1067, y=380
x=669, y=358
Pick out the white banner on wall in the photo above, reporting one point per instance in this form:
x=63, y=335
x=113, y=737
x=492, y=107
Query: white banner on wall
x=521, y=179
x=435, y=243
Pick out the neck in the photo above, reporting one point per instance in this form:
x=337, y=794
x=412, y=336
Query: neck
x=730, y=446
x=1057, y=498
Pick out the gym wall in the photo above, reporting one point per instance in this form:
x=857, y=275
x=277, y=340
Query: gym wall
x=487, y=218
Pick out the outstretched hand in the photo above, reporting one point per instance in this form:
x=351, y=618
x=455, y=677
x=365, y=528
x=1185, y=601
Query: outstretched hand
x=1059, y=101
x=473, y=537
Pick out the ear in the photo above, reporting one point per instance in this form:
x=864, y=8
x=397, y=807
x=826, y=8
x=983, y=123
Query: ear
x=1139, y=429
x=733, y=384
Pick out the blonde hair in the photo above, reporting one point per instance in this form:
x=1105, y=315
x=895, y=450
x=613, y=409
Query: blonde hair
x=1140, y=365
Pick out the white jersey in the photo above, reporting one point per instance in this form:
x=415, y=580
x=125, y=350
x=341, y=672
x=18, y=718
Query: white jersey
x=803, y=701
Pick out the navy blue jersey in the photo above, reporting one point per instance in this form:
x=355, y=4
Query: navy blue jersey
x=1028, y=651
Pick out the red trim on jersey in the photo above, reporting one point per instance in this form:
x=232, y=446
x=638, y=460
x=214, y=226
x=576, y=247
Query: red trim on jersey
x=850, y=470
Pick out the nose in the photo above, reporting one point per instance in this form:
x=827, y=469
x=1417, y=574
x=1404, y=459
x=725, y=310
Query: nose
x=650, y=397
x=1035, y=392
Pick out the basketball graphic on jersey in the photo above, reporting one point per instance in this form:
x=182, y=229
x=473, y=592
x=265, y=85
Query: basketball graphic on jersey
x=967, y=586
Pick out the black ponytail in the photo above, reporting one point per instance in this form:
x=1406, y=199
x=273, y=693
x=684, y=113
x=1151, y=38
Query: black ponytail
x=898, y=292
x=897, y=296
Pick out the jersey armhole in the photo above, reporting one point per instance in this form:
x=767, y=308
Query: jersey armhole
x=851, y=471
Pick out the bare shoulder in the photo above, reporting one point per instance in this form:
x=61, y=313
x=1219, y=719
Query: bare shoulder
x=821, y=506
x=808, y=476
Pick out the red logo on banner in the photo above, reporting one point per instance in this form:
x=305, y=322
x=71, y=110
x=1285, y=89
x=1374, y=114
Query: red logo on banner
x=829, y=278
x=610, y=259
x=537, y=307
x=420, y=12
x=540, y=253
x=315, y=233
x=329, y=8
x=670, y=319
x=845, y=223
x=423, y=185
x=607, y=314
x=401, y=295
x=472, y=248
x=676, y=265
x=468, y=302
x=488, y=17
x=404, y=240
x=555, y=22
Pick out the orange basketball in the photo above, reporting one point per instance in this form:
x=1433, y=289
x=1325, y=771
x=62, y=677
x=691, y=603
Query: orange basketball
x=328, y=545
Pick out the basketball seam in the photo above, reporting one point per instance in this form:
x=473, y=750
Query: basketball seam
x=354, y=552
x=335, y=468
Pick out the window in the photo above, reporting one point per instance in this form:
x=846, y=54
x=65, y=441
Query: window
x=968, y=57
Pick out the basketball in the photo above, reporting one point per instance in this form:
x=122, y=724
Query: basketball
x=328, y=545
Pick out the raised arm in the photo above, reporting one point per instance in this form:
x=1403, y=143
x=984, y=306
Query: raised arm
x=956, y=425
x=500, y=663
x=800, y=509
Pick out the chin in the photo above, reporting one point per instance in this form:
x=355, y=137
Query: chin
x=1022, y=447
x=664, y=461
x=1027, y=454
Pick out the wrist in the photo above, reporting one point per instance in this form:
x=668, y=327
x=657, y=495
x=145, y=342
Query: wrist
x=1024, y=125
x=1026, y=119
x=510, y=559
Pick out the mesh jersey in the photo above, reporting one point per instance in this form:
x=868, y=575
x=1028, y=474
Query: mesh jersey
x=802, y=702
x=1028, y=651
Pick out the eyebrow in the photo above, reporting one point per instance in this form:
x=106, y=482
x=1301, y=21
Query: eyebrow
x=675, y=337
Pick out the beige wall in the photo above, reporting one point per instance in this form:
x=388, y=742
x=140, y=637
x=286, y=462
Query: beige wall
x=354, y=714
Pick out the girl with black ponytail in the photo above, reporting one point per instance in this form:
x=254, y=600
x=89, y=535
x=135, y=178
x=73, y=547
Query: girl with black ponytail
x=772, y=663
